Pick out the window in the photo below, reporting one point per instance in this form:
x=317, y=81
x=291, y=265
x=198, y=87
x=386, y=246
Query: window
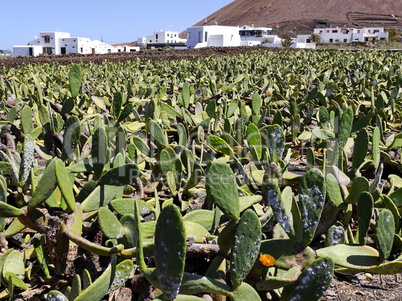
x=47, y=50
x=200, y=37
x=156, y=36
x=150, y=41
x=81, y=49
x=335, y=31
x=345, y=40
x=206, y=36
x=47, y=39
x=331, y=40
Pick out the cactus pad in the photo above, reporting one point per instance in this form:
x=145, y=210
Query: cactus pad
x=222, y=187
x=170, y=250
x=246, y=246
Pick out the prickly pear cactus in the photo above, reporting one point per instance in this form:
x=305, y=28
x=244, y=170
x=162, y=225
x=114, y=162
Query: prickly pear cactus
x=335, y=235
x=47, y=184
x=222, y=187
x=100, y=151
x=109, y=224
x=276, y=142
x=27, y=160
x=312, y=283
x=311, y=203
x=71, y=137
x=385, y=232
x=170, y=250
x=272, y=195
x=111, y=279
x=365, y=209
x=246, y=246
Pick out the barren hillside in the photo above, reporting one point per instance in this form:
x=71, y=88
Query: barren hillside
x=300, y=16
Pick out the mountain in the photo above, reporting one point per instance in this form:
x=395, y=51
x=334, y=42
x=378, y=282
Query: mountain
x=301, y=16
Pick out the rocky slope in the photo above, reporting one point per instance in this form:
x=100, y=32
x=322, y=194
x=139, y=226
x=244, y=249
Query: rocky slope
x=300, y=16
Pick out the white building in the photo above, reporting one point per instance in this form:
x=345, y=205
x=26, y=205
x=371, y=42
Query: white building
x=61, y=43
x=213, y=36
x=348, y=34
x=164, y=37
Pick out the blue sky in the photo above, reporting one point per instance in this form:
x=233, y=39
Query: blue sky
x=117, y=21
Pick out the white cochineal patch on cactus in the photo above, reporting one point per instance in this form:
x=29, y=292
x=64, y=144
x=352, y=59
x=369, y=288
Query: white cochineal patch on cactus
x=275, y=202
x=27, y=160
x=315, y=279
x=338, y=236
x=312, y=201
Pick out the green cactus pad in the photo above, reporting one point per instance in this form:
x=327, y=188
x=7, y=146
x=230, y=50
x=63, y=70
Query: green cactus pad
x=311, y=202
x=352, y=257
x=360, y=148
x=109, y=224
x=100, y=151
x=126, y=206
x=170, y=250
x=283, y=278
x=333, y=190
x=76, y=287
x=26, y=119
x=157, y=133
x=56, y=296
x=221, y=186
x=195, y=284
x=119, y=176
x=100, y=196
x=254, y=139
x=272, y=195
x=248, y=201
x=65, y=185
x=75, y=78
x=47, y=184
x=375, y=151
x=13, y=263
x=385, y=231
x=7, y=210
x=365, y=209
x=359, y=185
x=226, y=237
x=219, y=145
x=167, y=160
x=195, y=231
x=312, y=283
x=71, y=137
x=389, y=204
x=246, y=246
x=121, y=275
x=202, y=217
x=244, y=292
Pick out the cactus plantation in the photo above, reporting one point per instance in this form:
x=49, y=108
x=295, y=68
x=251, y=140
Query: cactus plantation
x=256, y=176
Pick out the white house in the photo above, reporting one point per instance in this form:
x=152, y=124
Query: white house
x=61, y=43
x=251, y=36
x=350, y=34
x=164, y=37
x=212, y=36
